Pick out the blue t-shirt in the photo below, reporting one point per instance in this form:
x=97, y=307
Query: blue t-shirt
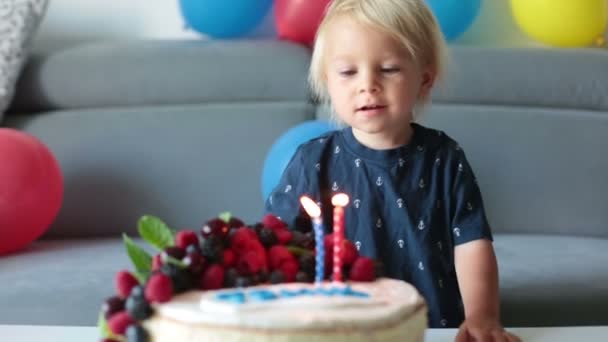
x=409, y=206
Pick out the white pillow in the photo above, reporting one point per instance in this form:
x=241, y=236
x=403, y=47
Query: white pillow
x=19, y=20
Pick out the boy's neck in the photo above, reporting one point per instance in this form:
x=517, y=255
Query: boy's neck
x=384, y=140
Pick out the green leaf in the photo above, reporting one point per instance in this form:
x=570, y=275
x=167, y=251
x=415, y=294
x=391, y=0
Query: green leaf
x=155, y=232
x=104, y=330
x=298, y=251
x=225, y=216
x=176, y=262
x=140, y=258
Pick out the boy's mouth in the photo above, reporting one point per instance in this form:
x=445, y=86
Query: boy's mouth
x=371, y=107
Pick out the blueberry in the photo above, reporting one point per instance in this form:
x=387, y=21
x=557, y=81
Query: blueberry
x=230, y=277
x=212, y=249
x=243, y=282
x=308, y=264
x=277, y=277
x=136, y=333
x=137, y=291
x=181, y=278
x=303, y=277
x=193, y=248
x=138, y=308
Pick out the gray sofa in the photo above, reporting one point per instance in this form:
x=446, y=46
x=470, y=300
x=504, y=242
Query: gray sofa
x=180, y=129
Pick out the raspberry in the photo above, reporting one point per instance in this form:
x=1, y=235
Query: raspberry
x=159, y=288
x=273, y=222
x=157, y=262
x=283, y=235
x=241, y=239
x=119, y=322
x=348, y=253
x=363, y=269
x=249, y=263
x=278, y=255
x=215, y=227
x=124, y=282
x=229, y=258
x=212, y=278
x=185, y=238
x=290, y=269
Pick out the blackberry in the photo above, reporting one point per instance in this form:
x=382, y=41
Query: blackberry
x=181, y=279
x=196, y=263
x=136, y=333
x=235, y=223
x=175, y=252
x=303, y=277
x=112, y=305
x=215, y=227
x=212, y=249
x=308, y=264
x=277, y=277
x=230, y=277
x=303, y=223
x=268, y=237
x=138, y=308
x=257, y=227
x=193, y=248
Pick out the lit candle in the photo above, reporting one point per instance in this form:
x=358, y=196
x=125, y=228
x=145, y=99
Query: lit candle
x=313, y=210
x=339, y=201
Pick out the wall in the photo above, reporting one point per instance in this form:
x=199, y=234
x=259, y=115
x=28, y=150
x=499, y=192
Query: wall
x=72, y=21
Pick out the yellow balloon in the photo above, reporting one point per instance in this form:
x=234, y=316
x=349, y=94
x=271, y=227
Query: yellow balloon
x=562, y=23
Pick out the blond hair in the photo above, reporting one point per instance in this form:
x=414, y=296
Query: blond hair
x=410, y=22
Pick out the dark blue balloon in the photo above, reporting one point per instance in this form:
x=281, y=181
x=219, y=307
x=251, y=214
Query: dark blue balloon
x=284, y=148
x=224, y=18
x=454, y=16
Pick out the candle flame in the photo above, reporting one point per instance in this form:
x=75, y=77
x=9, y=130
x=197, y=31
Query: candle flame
x=340, y=200
x=312, y=209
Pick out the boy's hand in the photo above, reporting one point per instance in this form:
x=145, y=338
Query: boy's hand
x=484, y=330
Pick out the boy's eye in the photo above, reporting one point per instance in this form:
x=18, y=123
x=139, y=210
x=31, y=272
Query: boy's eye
x=347, y=72
x=390, y=70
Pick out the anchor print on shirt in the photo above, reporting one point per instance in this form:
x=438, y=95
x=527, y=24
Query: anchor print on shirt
x=379, y=181
x=357, y=162
x=469, y=206
x=400, y=243
x=460, y=167
x=444, y=322
x=400, y=202
x=288, y=188
x=439, y=245
x=440, y=283
x=321, y=140
x=421, y=184
x=420, y=266
x=357, y=203
x=334, y=187
x=437, y=161
x=318, y=166
x=358, y=245
x=337, y=150
x=401, y=162
x=420, y=148
x=421, y=225
x=457, y=232
x=379, y=223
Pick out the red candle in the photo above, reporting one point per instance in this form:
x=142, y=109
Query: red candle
x=339, y=201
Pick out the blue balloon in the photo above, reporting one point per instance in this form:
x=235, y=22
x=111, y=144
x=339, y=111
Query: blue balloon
x=455, y=16
x=285, y=147
x=223, y=18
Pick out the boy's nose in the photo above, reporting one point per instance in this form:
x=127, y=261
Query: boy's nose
x=368, y=84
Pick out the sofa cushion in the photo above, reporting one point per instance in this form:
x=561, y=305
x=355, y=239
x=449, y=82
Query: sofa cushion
x=545, y=280
x=156, y=72
x=552, y=280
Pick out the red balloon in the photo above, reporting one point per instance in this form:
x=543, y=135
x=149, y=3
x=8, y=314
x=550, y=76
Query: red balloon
x=31, y=189
x=298, y=20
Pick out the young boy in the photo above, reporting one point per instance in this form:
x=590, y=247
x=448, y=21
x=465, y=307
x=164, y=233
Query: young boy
x=415, y=204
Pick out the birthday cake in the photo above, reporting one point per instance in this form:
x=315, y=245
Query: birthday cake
x=261, y=282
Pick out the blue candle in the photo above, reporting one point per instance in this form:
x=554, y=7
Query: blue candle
x=313, y=210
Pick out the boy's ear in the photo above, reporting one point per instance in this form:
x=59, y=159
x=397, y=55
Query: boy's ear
x=427, y=82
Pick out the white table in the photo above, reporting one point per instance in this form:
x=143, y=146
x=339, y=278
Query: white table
x=39, y=333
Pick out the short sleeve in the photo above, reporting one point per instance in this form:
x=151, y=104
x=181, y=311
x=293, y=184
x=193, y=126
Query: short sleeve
x=468, y=217
x=284, y=200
